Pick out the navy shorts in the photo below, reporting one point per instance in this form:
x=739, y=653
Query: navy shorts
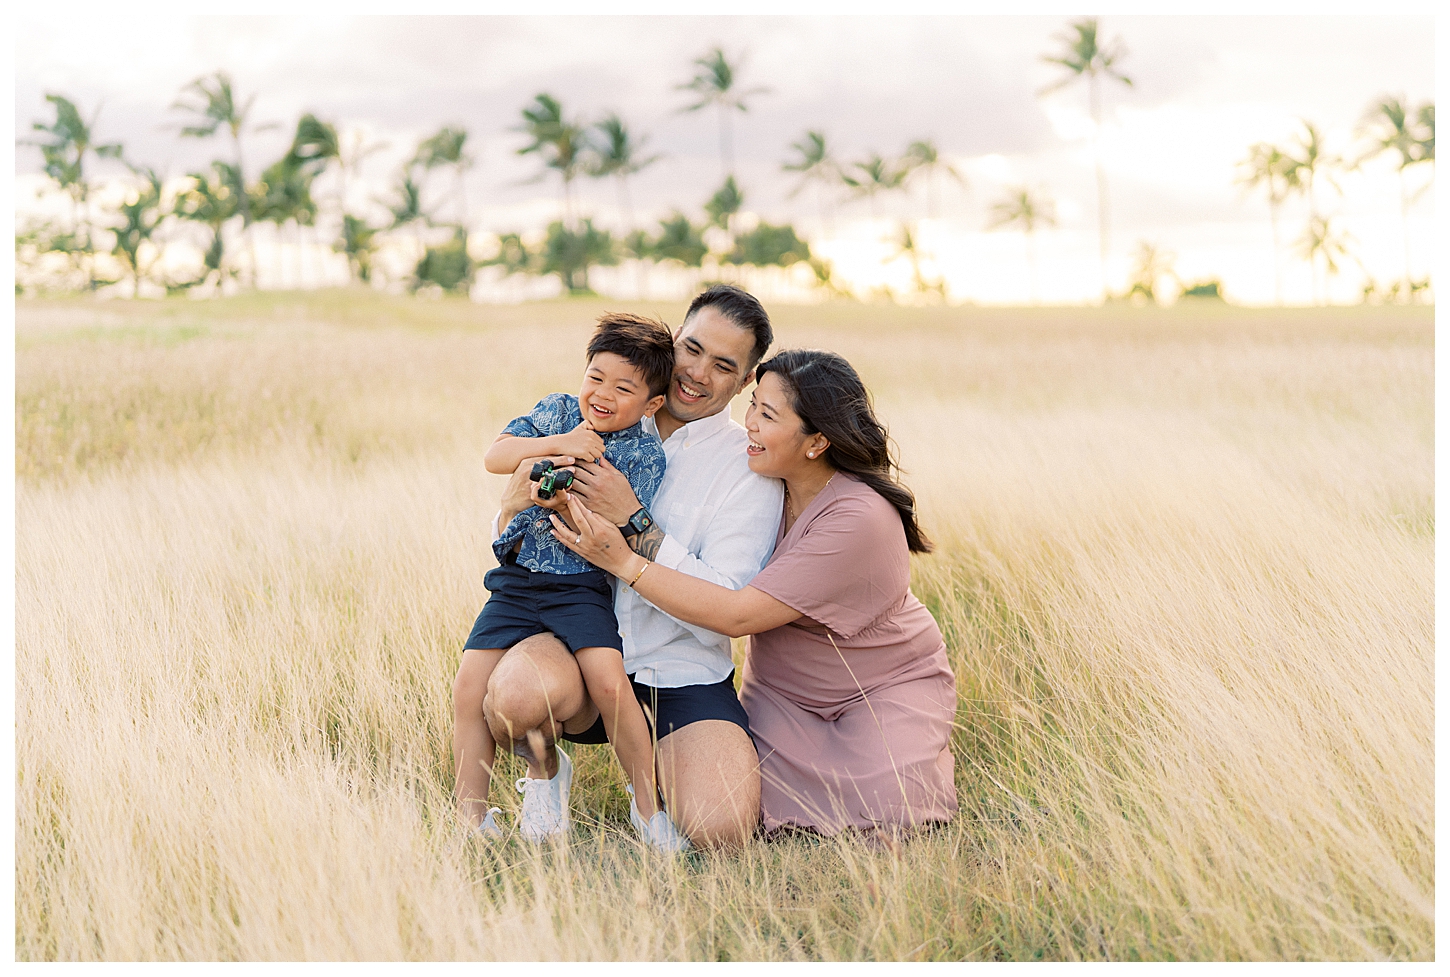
x=667, y=710
x=577, y=607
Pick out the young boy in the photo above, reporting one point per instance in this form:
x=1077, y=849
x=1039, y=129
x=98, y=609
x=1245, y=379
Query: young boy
x=541, y=586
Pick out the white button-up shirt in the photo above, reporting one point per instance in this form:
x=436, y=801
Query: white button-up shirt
x=720, y=520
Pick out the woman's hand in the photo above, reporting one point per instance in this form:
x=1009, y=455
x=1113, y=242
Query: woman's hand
x=597, y=540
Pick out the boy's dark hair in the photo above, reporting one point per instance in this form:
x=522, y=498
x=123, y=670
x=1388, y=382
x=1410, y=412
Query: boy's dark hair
x=742, y=309
x=645, y=344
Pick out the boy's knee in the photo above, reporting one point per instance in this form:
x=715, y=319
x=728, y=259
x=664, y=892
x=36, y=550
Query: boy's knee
x=604, y=676
x=610, y=690
x=470, y=684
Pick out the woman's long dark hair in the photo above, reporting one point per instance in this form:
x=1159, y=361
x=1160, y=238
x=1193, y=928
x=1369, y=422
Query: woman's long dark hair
x=831, y=400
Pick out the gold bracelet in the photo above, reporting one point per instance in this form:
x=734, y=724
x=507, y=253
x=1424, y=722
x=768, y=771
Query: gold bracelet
x=640, y=574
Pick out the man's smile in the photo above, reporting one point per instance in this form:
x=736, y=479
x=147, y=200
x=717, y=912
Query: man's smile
x=688, y=393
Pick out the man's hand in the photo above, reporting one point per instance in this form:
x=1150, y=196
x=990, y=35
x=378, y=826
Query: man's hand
x=520, y=493
x=605, y=491
x=582, y=443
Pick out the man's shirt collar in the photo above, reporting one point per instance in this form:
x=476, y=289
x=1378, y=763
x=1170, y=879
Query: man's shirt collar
x=696, y=430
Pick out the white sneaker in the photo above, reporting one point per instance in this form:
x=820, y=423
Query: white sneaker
x=660, y=832
x=545, y=810
x=489, y=828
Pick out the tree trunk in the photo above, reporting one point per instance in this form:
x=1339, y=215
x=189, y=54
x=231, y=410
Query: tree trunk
x=245, y=207
x=1274, y=230
x=727, y=162
x=1405, y=224
x=1102, y=182
x=1031, y=269
x=462, y=197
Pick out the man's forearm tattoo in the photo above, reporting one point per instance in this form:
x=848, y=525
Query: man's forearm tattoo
x=647, y=544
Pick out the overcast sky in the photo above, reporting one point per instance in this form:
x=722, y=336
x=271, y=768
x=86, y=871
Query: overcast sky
x=1204, y=88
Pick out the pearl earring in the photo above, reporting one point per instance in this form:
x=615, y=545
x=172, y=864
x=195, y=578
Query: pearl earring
x=810, y=454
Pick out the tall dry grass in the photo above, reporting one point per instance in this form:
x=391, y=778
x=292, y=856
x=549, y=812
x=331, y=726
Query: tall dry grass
x=1185, y=571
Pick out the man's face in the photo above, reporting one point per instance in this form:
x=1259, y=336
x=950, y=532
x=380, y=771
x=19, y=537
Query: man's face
x=711, y=355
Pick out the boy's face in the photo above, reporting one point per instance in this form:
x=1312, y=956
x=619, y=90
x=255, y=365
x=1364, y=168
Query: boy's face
x=614, y=395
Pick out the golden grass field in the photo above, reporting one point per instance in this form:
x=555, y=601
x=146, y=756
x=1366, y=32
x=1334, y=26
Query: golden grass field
x=1185, y=571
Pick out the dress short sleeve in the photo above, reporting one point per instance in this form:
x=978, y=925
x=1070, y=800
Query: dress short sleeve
x=847, y=568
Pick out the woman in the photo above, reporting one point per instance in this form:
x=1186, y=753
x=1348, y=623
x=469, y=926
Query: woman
x=846, y=680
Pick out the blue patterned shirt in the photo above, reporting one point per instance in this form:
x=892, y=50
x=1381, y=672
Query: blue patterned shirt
x=634, y=451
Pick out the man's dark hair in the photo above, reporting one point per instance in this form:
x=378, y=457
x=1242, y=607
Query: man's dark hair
x=742, y=309
x=645, y=344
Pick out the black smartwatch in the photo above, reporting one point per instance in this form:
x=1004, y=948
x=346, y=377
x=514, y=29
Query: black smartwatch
x=638, y=523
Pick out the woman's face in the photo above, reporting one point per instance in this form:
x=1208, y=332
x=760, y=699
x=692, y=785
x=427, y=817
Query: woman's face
x=777, y=444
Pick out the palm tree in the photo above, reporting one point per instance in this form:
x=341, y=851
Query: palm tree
x=1312, y=163
x=558, y=141
x=142, y=213
x=211, y=99
x=1029, y=212
x=873, y=175
x=1150, y=264
x=211, y=200
x=64, y=153
x=1269, y=166
x=1389, y=127
x=620, y=155
x=284, y=194
x=1322, y=241
x=922, y=156
x=815, y=165
x=570, y=254
x=1425, y=122
x=680, y=241
x=358, y=244
x=350, y=155
x=514, y=256
x=407, y=208
x=1084, y=57
x=907, y=247
x=445, y=148
x=315, y=146
x=725, y=204
x=715, y=84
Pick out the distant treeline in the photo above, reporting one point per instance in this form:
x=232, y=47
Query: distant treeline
x=105, y=243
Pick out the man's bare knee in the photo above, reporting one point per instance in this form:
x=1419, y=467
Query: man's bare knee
x=711, y=778
x=721, y=829
x=536, y=682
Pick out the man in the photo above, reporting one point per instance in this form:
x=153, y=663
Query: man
x=714, y=519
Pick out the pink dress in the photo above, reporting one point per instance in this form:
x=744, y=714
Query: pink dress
x=851, y=705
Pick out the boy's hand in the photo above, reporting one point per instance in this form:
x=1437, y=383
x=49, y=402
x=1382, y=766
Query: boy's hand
x=582, y=443
x=520, y=493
